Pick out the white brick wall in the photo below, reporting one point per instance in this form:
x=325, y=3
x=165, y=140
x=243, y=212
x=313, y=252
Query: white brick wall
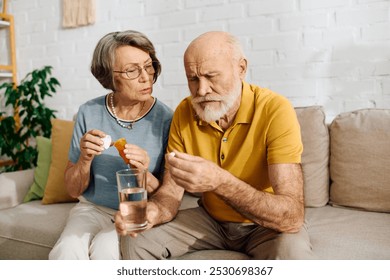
x=334, y=53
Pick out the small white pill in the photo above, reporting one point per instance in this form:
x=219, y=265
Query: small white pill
x=106, y=141
x=172, y=154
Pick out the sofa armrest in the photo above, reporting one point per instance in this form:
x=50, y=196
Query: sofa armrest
x=14, y=186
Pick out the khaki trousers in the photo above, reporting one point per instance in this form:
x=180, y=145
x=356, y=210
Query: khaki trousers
x=89, y=234
x=194, y=230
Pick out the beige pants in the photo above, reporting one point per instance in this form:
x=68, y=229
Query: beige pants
x=194, y=230
x=89, y=234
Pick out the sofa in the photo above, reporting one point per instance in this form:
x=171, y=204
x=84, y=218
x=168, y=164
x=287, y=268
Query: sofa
x=346, y=168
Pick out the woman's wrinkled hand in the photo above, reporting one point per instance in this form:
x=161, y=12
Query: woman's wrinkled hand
x=91, y=144
x=138, y=157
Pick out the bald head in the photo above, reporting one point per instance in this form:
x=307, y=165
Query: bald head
x=214, y=43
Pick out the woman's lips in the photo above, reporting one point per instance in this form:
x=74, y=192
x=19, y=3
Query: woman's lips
x=146, y=90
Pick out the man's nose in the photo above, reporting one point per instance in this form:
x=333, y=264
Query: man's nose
x=203, y=87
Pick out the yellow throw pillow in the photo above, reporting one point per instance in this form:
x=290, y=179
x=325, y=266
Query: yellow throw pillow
x=61, y=135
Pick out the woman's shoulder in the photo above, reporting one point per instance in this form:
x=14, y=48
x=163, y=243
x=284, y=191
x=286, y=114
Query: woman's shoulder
x=91, y=107
x=163, y=108
x=95, y=102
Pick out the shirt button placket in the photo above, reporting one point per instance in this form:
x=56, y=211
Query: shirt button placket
x=224, y=140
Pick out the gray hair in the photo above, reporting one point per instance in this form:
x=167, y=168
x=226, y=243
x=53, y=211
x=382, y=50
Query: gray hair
x=236, y=46
x=104, y=54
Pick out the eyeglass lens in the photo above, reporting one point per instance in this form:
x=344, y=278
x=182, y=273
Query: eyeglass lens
x=135, y=71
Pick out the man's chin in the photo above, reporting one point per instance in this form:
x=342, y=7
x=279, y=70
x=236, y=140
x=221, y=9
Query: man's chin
x=209, y=116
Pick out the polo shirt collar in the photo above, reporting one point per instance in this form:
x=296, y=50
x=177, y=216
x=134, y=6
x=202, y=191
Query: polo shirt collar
x=246, y=110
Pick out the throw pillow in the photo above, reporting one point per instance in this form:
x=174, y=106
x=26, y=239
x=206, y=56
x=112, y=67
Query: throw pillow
x=61, y=136
x=360, y=160
x=41, y=172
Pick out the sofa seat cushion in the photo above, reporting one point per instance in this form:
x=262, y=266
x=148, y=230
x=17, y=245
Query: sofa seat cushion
x=30, y=230
x=348, y=234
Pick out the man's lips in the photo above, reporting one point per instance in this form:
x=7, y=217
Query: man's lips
x=205, y=103
x=208, y=101
x=205, y=100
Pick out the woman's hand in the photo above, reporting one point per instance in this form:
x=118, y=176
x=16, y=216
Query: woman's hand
x=138, y=157
x=140, y=160
x=91, y=144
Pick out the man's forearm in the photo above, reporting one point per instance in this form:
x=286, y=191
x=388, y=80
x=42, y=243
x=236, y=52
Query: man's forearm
x=167, y=200
x=279, y=211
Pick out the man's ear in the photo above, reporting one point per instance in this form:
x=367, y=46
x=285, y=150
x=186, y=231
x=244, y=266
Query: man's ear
x=243, y=65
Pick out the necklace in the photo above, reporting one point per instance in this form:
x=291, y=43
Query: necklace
x=129, y=126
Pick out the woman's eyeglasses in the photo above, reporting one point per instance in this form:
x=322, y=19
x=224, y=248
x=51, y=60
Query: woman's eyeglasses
x=134, y=71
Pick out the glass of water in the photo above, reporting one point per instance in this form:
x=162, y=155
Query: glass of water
x=132, y=198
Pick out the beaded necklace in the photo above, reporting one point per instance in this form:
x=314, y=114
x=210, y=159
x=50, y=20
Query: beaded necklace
x=129, y=126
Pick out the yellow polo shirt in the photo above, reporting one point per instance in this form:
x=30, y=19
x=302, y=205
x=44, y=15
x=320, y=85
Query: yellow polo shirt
x=265, y=131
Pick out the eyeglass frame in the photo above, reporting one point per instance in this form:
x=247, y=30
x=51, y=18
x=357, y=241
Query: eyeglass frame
x=154, y=64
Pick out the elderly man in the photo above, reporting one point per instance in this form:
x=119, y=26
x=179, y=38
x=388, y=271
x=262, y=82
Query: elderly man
x=239, y=146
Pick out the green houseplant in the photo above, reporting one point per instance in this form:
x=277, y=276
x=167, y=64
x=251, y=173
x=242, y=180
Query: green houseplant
x=28, y=117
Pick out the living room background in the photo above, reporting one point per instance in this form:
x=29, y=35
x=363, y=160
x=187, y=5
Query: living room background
x=333, y=53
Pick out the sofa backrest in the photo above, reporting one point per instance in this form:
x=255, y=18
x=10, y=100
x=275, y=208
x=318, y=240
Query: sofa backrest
x=346, y=163
x=315, y=156
x=360, y=160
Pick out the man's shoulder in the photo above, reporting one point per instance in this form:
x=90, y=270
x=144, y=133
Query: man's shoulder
x=267, y=97
x=184, y=105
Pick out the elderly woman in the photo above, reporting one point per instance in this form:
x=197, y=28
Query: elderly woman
x=125, y=63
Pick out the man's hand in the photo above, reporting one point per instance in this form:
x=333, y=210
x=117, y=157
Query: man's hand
x=193, y=173
x=151, y=214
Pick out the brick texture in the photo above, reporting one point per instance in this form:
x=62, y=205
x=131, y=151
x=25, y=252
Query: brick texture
x=334, y=53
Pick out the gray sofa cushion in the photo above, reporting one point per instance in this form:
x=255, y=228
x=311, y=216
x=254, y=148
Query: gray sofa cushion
x=14, y=186
x=360, y=160
x=344, y=234
x=315, y=157
x=29, y=230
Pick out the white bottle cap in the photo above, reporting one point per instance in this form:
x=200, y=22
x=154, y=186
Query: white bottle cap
x=106, y=141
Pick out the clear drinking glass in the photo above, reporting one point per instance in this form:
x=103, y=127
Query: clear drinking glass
x=132, y=198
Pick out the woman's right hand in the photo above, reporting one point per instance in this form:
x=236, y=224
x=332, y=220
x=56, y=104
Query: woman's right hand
x=91, y=144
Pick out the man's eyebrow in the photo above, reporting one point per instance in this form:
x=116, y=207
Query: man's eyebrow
x=191, y=76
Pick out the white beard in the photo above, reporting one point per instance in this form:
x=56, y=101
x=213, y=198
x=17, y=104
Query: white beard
x=210, y=114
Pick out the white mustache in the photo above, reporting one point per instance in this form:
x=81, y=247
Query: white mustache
x=205, y=99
